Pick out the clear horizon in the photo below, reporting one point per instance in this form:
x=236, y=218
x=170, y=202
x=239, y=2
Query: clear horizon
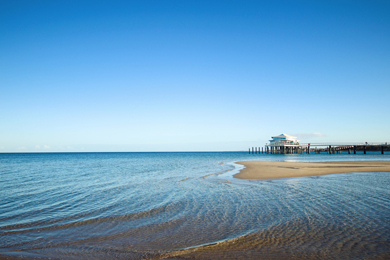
x=98, y=76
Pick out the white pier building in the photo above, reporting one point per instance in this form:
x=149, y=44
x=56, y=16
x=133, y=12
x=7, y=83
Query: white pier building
x=283, y=144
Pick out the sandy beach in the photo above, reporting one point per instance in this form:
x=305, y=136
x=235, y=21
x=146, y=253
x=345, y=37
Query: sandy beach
x=278, y=170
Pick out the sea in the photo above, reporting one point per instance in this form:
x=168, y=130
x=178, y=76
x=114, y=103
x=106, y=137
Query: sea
x=188, y=205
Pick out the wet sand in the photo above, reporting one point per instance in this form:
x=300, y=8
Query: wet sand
x=290, y=241
x=278, y=170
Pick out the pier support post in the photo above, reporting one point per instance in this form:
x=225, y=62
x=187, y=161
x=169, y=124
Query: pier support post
x=308, y=149
x=364, y=147
x=354, y=149
x=330, y=149
x=382, y=150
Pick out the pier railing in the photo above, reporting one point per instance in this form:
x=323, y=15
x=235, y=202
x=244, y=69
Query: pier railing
x=347, y=144
x=330, y=144
x=281, y=144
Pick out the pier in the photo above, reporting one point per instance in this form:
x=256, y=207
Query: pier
x=328, y=148
x=286, y=144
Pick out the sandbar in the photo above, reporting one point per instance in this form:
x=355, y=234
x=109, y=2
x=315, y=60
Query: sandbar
x=279, y=170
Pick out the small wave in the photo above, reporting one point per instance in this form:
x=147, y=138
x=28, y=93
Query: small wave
x=208, y=175
x=32, y=227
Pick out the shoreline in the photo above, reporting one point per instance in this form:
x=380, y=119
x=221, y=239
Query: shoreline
x=281, y=170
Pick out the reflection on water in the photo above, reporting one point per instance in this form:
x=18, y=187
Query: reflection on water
x=187, y=205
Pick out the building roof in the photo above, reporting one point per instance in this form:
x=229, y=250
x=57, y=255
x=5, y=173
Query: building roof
x=284, y=136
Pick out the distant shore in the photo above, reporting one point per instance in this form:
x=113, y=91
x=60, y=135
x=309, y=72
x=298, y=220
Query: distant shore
x=279, y=170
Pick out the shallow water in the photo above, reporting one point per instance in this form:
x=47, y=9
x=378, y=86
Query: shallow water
x=188, y=205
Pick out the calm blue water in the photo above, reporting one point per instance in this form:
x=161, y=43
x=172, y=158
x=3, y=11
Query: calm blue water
x=144, y=205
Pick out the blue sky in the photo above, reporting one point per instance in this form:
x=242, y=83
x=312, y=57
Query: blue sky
x=191, y=75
